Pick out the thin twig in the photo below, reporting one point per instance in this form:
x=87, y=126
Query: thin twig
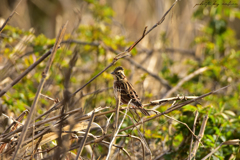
x=12, y=127
x=107, y=123
x=156, y=76
x=85, y=136
x=229, y=142
x=19, y=118
x=44, y=74
x=185, y=79
x=114, y=136
x=47, y=150
x=157, y=102
x=22, y=75
x=116, y=114
x=96, y=91
x=8, y=19
x=200, y=136
x=5, y=23
x=47, y=97
x=36, y=147
x=142, y=144
x=193, y=134
x=137, y=138
x=124, y=150
x=194, y=127
x=16, y=121
x=33, y=130
x=81, y=42
x=195, y=99
x=142, y=140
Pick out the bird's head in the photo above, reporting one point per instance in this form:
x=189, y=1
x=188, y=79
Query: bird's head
x=118, y=73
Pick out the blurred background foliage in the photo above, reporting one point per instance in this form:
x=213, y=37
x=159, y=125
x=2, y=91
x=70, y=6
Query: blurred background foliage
x=190, y=38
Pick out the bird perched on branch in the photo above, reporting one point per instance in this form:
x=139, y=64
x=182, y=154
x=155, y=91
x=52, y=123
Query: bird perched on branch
x=126, y=90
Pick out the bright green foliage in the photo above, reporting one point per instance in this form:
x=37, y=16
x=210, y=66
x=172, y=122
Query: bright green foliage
x=221, y=54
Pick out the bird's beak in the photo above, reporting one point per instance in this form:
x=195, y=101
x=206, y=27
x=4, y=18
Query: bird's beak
x=112, y=73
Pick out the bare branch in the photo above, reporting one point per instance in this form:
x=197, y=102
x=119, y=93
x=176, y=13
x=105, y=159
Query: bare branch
x=200, y=136
x=85, y=136
x=142, y=139
x=194, y=127
x=124, y=150
x=160, y=79
x=137, y=138
x=115, y=134
x=29, y=69
x=107, y=124
x=158, y=102
x=183, y=124
x=116, y=114
x=81, y=42
x=185, y=79
x=8, y=19
x=229, y=142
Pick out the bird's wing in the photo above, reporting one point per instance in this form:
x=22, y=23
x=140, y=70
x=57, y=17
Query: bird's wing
x=136, y=100
x=127, y=93
x=133, y=93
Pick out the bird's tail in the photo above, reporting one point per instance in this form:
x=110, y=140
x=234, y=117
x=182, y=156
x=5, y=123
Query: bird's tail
x=140, y=107
x=144, y=111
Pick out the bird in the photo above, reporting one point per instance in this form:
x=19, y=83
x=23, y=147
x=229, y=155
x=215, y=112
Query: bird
x=126, y=90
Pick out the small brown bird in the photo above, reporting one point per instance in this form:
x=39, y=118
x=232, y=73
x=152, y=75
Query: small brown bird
x=122, y=86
